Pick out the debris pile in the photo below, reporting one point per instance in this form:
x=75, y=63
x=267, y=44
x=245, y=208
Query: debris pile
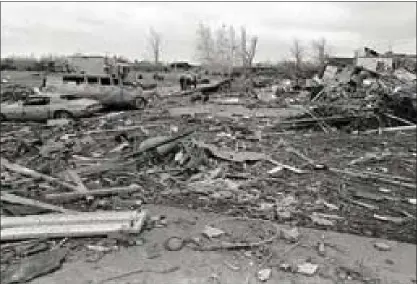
x=82, y=185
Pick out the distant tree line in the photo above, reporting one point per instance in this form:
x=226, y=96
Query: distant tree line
x=43, y=64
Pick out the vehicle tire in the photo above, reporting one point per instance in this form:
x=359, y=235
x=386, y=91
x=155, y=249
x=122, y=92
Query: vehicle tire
x=140, y=103
x=2, y=117
x=63, y=114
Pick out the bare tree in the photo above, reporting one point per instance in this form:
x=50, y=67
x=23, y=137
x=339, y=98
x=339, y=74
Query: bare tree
x=247, y=53
x=217, y=49
x=205, y=45
x=226, y=47
x=154, y=40
x=233, y=46
x=221, y=49
x=297, y=51
x=319, y=48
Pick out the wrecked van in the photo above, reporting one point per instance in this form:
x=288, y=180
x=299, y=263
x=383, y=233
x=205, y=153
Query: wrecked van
x=110, y=91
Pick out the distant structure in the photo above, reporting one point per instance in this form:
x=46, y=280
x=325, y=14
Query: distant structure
x=89, y=64
x=148, y=66
x=383, y=62
x=181, y=66
x=340, y=61
x=98, y=65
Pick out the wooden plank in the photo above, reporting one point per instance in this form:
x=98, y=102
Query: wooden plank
x=73, y=230
x=64, y=219
x=391, y=129
x=34, y=174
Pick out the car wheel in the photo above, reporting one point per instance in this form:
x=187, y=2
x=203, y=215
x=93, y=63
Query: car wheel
x=2, y=117
x=63, y=114
x=140, y=103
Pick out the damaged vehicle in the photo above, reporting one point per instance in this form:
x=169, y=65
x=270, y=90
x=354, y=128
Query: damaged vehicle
x=403, y=102
x=110, y=91
x=45, y=106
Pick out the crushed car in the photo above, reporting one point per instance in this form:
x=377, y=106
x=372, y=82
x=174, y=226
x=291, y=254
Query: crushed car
x=45, y=106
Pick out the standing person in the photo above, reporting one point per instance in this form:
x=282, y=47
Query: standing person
x=187, y=80
x=182, y=82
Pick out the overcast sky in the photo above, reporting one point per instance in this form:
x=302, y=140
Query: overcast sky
x=122, y=28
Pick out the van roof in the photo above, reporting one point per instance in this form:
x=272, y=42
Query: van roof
x=88, y=75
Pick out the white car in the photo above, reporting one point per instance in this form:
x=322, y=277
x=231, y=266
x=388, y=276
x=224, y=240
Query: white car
x=45, y=106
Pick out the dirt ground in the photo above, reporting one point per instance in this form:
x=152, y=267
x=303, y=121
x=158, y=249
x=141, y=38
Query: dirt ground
x=358, y=253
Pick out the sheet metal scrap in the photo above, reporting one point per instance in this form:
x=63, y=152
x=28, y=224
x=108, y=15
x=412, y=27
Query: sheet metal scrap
x=34, y=266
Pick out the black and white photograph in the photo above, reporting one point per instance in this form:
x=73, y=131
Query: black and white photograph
x=230, y=142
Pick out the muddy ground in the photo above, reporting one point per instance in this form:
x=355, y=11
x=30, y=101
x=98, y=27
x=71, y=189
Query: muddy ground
x=347, y=252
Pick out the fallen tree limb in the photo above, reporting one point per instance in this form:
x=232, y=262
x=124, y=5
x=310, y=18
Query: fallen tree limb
x=385, y=176
x=300, y=155
x=244, y=156
x=325, y=127
x=141, y=270
x=318, y=95
x=315, y=120
x=70, y=196
x=109, y=131
x=160, y=143
x=382, y=179
x=399, y=119
x=34, y=174
x=377, y=176
x=362, y=204
x=11, y=198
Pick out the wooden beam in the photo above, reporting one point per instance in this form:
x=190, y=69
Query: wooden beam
x=34, y=174
x=66, y=219
x=68, y=231
x=391, y=129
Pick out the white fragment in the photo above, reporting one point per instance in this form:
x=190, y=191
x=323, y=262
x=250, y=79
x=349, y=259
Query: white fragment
x=308, y=269
x=321, y=221
x=275, y=170
x=382, y=246
x=212, y=232
x=291, y=235
x=57, y=122
x=385, y=190
x=264, y=274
